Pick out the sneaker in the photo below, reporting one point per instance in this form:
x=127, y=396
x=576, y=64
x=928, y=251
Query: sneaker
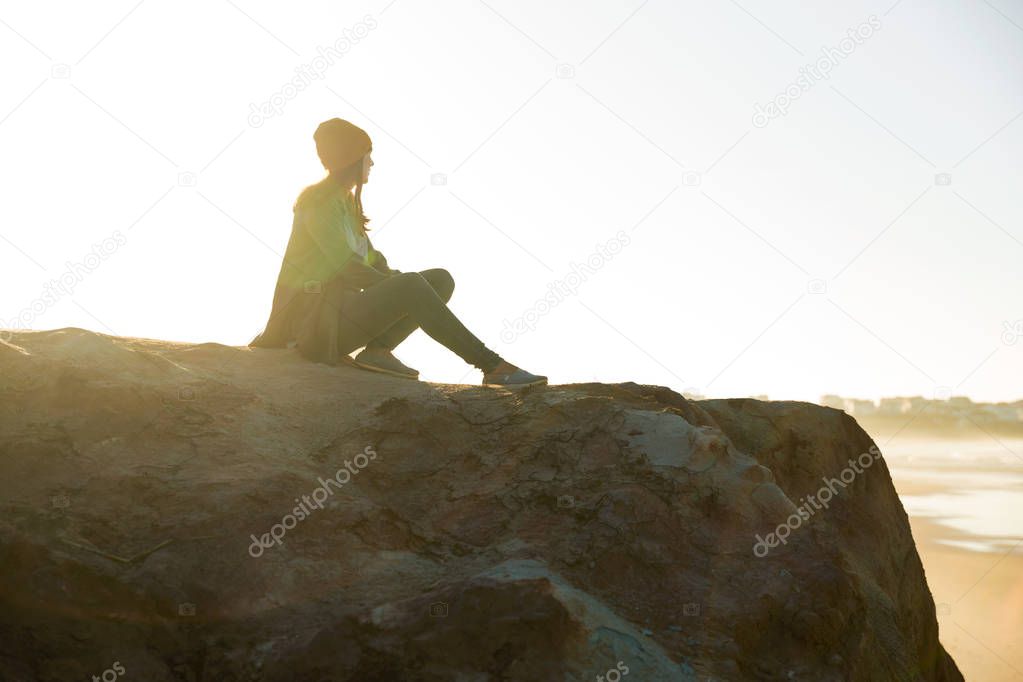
x=519, y=377
x=383, y=361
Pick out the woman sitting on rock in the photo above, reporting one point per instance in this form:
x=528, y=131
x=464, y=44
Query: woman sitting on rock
x=335, y=293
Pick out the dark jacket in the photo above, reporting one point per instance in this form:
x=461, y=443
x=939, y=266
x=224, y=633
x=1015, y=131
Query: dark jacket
x=319, y=273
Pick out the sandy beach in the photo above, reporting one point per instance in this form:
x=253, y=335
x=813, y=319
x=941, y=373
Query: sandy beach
x=965, y=503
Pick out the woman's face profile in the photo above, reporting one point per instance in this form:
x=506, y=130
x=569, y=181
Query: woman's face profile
x=367, y=163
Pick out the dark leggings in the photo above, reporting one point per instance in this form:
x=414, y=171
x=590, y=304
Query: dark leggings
x=383, y=315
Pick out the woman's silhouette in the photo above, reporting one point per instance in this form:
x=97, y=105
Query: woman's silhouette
x=335, y=293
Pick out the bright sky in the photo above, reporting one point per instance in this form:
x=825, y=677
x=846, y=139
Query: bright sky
x=814, y=252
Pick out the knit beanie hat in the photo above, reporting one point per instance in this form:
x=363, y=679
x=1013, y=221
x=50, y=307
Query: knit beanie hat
x=339, y=144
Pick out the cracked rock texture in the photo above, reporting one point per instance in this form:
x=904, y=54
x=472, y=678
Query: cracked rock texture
x=553, y=534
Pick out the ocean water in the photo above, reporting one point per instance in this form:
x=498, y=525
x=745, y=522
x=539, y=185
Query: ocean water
x=973, y=490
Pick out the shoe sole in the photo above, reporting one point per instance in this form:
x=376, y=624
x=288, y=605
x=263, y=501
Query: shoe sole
x=381, y=370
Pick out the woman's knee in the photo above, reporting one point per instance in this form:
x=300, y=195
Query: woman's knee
x=413, y=286
x=441, y=281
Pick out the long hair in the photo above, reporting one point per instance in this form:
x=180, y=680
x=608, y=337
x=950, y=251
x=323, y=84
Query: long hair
x=349, y=177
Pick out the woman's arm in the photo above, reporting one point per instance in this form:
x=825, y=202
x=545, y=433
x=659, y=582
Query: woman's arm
x=378, y=261
x=324, y=224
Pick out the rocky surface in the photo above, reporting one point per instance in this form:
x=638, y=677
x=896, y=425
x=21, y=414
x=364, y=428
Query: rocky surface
x=151, y=495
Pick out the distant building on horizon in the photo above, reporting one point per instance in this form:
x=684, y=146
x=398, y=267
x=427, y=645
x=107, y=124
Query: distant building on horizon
x=956, y=408
x=853, y=406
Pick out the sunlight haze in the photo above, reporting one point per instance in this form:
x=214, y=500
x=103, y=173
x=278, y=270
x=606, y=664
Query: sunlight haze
x=867, y=242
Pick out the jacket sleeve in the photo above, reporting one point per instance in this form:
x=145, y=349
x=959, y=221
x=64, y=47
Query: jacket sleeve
x=378, y=261
x=324, y=227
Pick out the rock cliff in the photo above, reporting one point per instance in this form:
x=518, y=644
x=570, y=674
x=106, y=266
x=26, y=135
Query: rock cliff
x=204, y=512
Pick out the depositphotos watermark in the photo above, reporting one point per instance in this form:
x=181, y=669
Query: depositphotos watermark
x=816, y=502
x=110, y=674
x=74, y=273
x=306, y=506
x=810, y=74
x=313, y=71
x=614, y=674
x=1012, y=332
x=558, y=290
